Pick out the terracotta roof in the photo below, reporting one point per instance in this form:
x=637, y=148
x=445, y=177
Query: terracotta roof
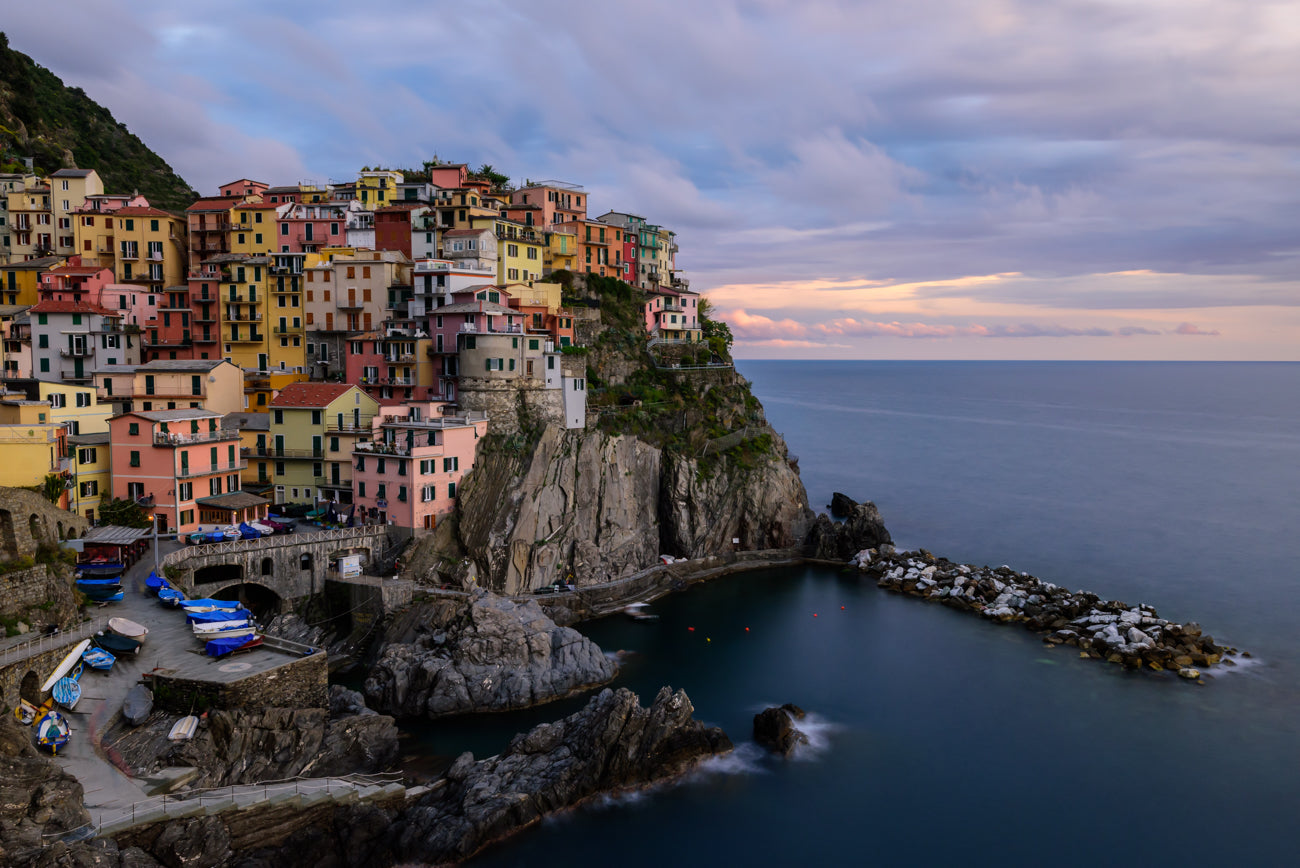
x=72, y=307
x=232, y=500
x=309, y=394
x=260, y=206
x=401, y=206
x=215, y=203
x=80, y=269
x=455, y=233
x=72, y=173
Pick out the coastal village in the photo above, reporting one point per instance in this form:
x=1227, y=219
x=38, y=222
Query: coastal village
x=335, y=349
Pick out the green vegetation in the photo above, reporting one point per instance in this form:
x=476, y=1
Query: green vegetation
x=123, y=513
x=42, y=118
x=52, y=488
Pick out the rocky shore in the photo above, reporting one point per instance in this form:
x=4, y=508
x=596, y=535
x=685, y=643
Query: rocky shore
x=1133, y=636
x=486, y=653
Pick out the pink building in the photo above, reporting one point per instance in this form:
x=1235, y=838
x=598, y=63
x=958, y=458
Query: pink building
x=182, y=466
x=388, y=367
x=673, y=315
x=409, y=472
x=306, y=228
x=75, y=283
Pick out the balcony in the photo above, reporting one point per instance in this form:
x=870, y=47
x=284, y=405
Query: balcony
x=249, y=316
x=167, y=438
x=491, y=330
x=362, y=427
x=265, y=451
x=330, y=482
x=380, y=447
x=286, y=330
x=77, y=352
x=220, y=467
x=247, y=339
x=350, y=304
x=129, y=254
x=400, y=358
x=205, y=317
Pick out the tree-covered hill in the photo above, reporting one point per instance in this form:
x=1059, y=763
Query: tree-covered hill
x=60, y=126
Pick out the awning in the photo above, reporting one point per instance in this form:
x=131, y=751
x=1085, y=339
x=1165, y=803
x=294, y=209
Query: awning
x=112, y=535
x=232, y=500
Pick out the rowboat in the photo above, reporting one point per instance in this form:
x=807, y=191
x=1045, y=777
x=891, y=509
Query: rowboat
x=184, y=729
x=53, y=731
x=25, y=712
x=98, y=658
x=117, y=644
x=206, y=604
x=231, y=533
x=154, y=581
x=219, y=615
x=100, y=569
x=223, y=628
x=138, y=704
x=65, y=666
x=128, y=628
x=67, y=690
x=247, y=531
x=106, y=594
x=171, y=597
x=223, y=645
x=98, y=582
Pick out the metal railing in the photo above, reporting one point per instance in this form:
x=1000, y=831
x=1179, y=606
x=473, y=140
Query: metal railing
x=187, y=472
x=240, y=546
x=50, y=642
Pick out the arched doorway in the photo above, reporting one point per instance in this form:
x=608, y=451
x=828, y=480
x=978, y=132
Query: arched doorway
x=31, y=688
x=8, y=541
x=34, y=526
x=259, y=599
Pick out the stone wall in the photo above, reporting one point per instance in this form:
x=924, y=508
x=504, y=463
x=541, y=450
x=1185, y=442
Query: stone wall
x=36, y=597
x=505, y=401
x=27, y=520
x=15, y=666
x=301, y=682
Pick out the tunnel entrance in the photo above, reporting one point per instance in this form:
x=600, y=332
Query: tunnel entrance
x=259, y=599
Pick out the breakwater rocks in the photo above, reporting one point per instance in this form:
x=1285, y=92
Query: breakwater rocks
x=861, y=528
x=1133, y=636
x=774, y=728
x=485, y=654
x=612, y=744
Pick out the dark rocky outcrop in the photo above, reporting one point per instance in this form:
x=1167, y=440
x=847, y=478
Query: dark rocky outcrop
x=612, y=744
x=774, y=728
x=244, y=746
x=862, y=528
x=1133, y=636
x=344, y=702
x=37, y=797
x=485, y=654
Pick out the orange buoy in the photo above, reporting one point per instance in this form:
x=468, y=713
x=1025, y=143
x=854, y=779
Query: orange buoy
x=690, y=629
x=841, y=608
x=746, y=629
x=814, y=614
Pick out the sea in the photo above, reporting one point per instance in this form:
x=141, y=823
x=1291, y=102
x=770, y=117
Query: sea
x=937, y=738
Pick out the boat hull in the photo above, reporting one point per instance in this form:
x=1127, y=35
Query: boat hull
x=128, y=628
x=53, y=732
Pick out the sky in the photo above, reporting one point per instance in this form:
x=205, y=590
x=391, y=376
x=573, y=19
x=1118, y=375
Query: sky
x=931, y=179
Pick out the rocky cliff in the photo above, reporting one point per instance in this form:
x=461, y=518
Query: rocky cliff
x=37, y=797
x=487, y=654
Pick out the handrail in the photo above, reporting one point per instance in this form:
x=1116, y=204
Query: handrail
x=51, y=641
x=233, y=546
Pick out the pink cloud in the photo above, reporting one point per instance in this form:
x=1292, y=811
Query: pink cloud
x=1191, y=329
x=756, y=328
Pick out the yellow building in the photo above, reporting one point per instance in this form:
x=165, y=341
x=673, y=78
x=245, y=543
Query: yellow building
x=20, y=281
x=314, y=427
x=262, y=315
x=378, y=188
x=520, y=249
x=254, y=437
x=77, y=407
x=68, y=191
x=151, y=247
x=252, y=228
x=91, y=473
x=561, y=252
x=171, y=384
x=31, y=449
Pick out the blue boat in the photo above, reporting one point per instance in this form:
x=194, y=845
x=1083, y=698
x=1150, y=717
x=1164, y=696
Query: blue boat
x=115, y=597
x=215, y=536
x=91, y=583
x=209, y=603
x=53, y=731
x=247, y=531
x=67, y=690
x=155, y=581
x=218, y=617
x=98, y=658
x=100, y=569
x=171, y=597
x=222, y=647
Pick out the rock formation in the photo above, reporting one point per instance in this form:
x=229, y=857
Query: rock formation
x=486, y=654
x=37, y=797
x=612, y=744
x=774, y=728
x=862, y=528
x=1134, y=636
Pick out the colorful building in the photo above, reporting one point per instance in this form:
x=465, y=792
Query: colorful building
x=254, y=439
x=557, y=202
x=71, y=339
x=182, y=466
x=152, y=247
x=91, y=473
x=32, y=449
x=672, y=315
x=20, y=280
x=408, y=473
x=313, y=429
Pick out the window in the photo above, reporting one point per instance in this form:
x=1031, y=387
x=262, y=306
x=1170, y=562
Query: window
x=279, y=417
x=86, y=456
x=83, y=399
x=450, y=465
x=45, y=366
x=185, y=491
x=56, y=400
x=381, y=490
x=427, y=493
x=451, y=490
x=196, y=385
x=133, y=428
x=135, y=458
x=89, y=489
x=361, y=488
x=315, y=417
x=42, y=342
x=401, y=493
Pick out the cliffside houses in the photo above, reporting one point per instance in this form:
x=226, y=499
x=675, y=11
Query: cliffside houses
x=348, y=342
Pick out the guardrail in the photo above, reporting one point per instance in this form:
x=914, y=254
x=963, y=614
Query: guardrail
x=246, y=545
x=50, y=642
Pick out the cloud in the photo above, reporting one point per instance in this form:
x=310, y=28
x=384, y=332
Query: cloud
x=1190, y=329
x=757, y=328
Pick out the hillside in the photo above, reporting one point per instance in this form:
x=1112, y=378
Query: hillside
x=59, y=126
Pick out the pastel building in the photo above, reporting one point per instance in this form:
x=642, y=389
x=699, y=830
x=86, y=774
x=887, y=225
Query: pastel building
x=20, y=281
x=556, y=201
x=75, y=407
x=392, y=367
x=152, y=247
x=91, y=473
x=313, y=429
x=182, y=466
x=672, y=315
x=409, y=472
x=71, y=339
x=215, y=385
x=32, y=447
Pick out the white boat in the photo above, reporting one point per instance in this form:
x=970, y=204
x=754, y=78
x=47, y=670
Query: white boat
x=231, y=533
x=128, y=628
x=66, y=666
x=184, y=729
x=223, y=628
x=263, y=529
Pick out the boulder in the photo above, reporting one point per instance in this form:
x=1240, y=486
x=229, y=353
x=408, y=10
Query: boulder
x=487, y=654
x=842, y=505
x=862, y=528
x=774, y=729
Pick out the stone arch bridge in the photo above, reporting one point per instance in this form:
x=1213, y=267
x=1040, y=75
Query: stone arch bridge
x=290, y=567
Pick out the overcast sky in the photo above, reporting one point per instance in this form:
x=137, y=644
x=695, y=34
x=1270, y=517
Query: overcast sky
x=920, y=179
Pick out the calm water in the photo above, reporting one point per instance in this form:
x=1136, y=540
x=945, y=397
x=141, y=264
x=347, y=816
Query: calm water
x=941, y=739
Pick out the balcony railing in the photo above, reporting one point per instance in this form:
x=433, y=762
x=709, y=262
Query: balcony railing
x=248, y=316
x=286, y=329
x=247, y=339
x=273, y=452
x=491, y=330
x=362, y=427
x=221, y=467
x=330, y=482
x=350, y=304
x=77, y=352
x=379, y=447
x=168, y=438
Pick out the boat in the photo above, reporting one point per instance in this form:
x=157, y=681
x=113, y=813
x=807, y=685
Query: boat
x=205, y=604
x=262, y=527
x=103, y=594
x=173, y=597
x=231, y=533
x=64, y=667
x=67, y=690
x=223, y=645
x=184, y=729
x=216, y=536
x=53, y=731
x=98, y=658
x=218, y=615
x=197, y=538
x=100, y=569
x=640, y=612
x=223, y=628
x=128, y=628
x=98, y=582
x=25, y=712
x=116, y=644
x=247, y=531
x=155, y=581
x=138, y=704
